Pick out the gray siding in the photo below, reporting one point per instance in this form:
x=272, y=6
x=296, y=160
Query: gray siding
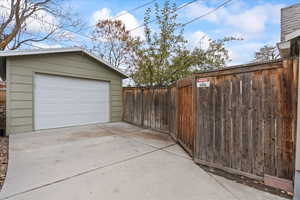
x=290, y=20
x=20, y=84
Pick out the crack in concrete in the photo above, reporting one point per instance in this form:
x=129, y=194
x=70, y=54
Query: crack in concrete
x=175, y=154
x=222, y=185
x=138, y=131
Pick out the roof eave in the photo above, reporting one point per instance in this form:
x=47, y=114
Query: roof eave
x=60, y=50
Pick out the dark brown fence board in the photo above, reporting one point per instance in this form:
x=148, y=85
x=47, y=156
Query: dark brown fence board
x=185, y=114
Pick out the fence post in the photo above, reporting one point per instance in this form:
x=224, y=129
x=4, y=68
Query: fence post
x=195, y=111
x=142, y=113
x=177, y=108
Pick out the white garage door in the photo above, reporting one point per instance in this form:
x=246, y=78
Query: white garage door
x=63, y=101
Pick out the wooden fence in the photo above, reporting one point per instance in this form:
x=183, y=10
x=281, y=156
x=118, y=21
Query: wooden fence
x=241, y=120
x=150, y=108
x=247, y=120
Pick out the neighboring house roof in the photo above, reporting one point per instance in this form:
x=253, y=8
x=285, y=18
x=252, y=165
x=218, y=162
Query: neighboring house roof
x=11, y=53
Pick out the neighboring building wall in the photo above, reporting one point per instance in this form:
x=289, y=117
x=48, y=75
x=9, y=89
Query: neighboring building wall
x=290, y=20
x=20, y=76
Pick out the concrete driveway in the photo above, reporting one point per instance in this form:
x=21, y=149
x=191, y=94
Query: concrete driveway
x=111, y=161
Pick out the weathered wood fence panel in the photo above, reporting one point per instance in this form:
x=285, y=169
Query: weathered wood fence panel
x=133, y=109
x=150, y=108
x=243, y=120
x=185, y=115
x=247, y=120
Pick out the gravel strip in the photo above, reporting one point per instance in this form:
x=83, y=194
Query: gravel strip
x=3, y=159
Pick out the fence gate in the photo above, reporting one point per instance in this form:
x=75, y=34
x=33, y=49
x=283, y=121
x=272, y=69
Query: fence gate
x=185, y=115
x=247, y=121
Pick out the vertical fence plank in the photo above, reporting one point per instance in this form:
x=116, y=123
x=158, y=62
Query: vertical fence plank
x=270, y=123
x=218, y=123
x=211, y=120
x=236, y=125
x=246, y=128
x=257, y=125
x=227, y=121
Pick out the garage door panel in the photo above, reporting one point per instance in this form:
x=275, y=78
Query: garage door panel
x=50, y=108
x=62, y=101
x=67, y=120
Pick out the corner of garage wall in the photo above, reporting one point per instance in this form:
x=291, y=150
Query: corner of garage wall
x=118, y=117
x=8, y=77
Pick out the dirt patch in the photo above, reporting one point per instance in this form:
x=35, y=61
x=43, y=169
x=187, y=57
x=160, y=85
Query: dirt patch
x=148, y=134
x=122, y=130
x=3, y=159
x=85, y=135
x=247, y=181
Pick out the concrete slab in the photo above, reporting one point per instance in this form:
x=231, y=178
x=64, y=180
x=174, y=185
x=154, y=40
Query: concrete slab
x=109, y=161
x=42, y=158
x=153, y=176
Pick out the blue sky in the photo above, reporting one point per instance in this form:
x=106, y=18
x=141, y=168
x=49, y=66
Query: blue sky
x=256, y=21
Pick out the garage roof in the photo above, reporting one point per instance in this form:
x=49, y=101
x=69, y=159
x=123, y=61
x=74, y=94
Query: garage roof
x=11, y=53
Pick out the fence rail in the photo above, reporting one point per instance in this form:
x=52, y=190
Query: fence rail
x=241, y=120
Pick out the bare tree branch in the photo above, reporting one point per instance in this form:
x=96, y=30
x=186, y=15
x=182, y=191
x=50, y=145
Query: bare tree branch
x=113, y=42
x=18, y=44
x=12, y=34
x=10, y=18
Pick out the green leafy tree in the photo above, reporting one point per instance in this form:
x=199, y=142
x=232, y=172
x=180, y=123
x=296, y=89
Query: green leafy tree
x=164, y=56
x=267, y=53
x=156, y=61
x=214, y=57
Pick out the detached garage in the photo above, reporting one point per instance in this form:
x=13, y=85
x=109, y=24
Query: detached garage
x=55, y=88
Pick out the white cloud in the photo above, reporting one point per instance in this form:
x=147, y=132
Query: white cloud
x=199, y=9
x=130, y=23
x=128, y=19
x=46, y=46
x=250, y=22
x=102, y=14
x=254, y=20
x=4, y=11
x=41, y=21
x=199, y=38
x=243, y=52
